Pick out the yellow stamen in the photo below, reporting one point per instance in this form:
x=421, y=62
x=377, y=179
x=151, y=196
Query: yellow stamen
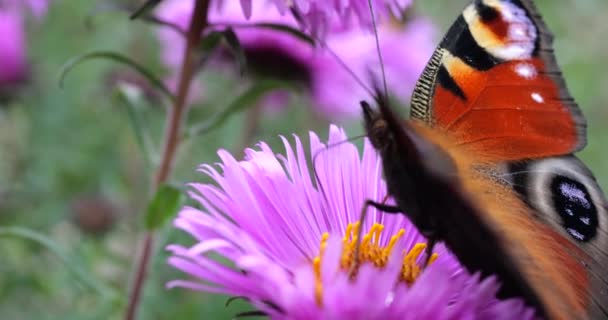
x=316, y=265
x=394, y=239
x=370, y=251
x=323, y=245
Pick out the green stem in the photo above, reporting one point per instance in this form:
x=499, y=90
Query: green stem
x=172, y=140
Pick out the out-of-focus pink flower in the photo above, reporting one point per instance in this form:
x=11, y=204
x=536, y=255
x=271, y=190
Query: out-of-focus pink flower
x=292, y=256
x=333, y=90
x=13, y=52
x=13, y=61
x=405, y=50
x=37, y=7
x=321, y=16
x=318, y=16
x=255, y=41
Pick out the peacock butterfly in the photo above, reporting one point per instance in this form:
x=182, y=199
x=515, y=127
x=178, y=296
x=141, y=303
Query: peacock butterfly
x=486, y=163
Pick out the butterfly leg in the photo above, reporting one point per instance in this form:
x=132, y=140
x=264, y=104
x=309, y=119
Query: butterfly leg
x=369, y=203
x=430, y=245
x=386, y=208
x=428, y=233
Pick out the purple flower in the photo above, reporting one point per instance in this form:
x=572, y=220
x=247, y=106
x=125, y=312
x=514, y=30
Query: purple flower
x=332, y=89
x=13, y=60
x=405, y=51
x=321, y=16
x=13, y=52
x=318, y=16
x=290, y=242
x=37, y=7
x=252, y=40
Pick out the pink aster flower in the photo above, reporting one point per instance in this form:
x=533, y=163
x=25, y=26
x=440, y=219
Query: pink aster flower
x=290, y=242
x=321, y=16
x=37, y=7
x=332, y=89
x=13, y=59
x=13, y=53
x=405, y=51
x=256, y=42
x=317, y=16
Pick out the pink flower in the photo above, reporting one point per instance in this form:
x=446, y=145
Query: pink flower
x=318, y=16
x=289, y=243
x=405, y=51
x=13, y=60
x=252, y=40
x=37, y=7
x=179, y=12
x=334, y=92
x=13, y=52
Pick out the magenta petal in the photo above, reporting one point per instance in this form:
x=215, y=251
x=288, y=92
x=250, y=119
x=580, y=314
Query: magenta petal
x=333, y=90
x=266, y=215
x=246, y=5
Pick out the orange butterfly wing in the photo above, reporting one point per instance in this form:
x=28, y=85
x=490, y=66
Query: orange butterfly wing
x=493, y=86
x=494, y=89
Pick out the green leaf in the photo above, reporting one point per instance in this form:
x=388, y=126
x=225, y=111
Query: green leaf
x=211, y=41
x=248, y=99
x=207, y=44
x=145, y=8
x=71, y=265
x=116, y=57
x=164, y=23
x=163, y=206
x=237, y=50
x=131, y=97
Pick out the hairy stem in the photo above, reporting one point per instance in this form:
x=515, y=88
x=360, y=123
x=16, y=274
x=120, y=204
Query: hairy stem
x=175, y=119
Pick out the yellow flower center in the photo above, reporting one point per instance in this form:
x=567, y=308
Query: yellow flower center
x=370, y=251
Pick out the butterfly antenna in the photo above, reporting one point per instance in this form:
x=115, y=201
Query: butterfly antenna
x=334, y=55
x=377, y=37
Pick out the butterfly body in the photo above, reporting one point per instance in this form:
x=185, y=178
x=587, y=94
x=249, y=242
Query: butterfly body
x=486, y=164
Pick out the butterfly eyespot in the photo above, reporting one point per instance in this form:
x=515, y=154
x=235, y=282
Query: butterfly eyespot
x=565, y=195
x=573, y=203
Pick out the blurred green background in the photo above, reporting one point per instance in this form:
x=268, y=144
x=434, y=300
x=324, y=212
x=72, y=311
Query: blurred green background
x=68, y=155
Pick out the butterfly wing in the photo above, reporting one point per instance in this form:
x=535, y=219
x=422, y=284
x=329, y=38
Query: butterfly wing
x=468, y=213
x=494, y=85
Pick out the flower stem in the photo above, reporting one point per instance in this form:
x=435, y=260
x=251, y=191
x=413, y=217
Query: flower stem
x=175, y=119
